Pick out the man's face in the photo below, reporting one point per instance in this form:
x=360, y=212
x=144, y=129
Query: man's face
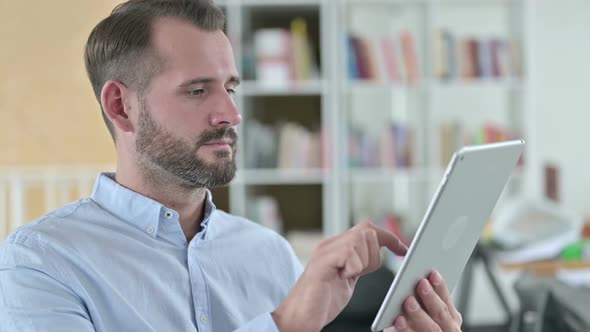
x=187, y=118
x=172, y=156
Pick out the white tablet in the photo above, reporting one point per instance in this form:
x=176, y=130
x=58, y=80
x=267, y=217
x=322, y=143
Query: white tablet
x=454, y=221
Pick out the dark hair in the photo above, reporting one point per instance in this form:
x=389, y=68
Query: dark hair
x=119, y=47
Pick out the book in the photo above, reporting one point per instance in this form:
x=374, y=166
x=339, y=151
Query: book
x=404, y=147
x=473, y=54
x=283, y=55
x=391, y=60
x=286, y=145
x=485, y=59
x=260, y=143
x=363, y=58
x=469, y=57
x=273, y=56
x=265, y=211
x=410, y=56
x=466, y=64
x=301, y=52
x=495, y=50
x=381, y=59
x=454, y=135
x=351, y=58
x=452, y=55
x=391, y=147
x=439, y=55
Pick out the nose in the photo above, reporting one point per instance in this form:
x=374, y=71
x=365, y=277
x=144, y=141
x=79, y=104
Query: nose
x=225, y=113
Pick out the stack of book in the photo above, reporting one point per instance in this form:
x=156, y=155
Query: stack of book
x=469, y=58
x=385, y=59
x=393, y=147
x=287, y=145
x=454, y=135
x=265, y=210
x=282, y=55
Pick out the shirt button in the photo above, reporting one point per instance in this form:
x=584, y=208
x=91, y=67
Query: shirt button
x=149, y=230
x=204, y=319
x=168, y=214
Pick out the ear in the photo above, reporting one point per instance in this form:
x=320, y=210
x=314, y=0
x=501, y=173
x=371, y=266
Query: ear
x=115, y=98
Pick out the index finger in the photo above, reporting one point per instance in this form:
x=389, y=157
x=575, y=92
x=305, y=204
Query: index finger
x=390, y=241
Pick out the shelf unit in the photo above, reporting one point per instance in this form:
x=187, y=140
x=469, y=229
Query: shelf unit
x=340, y=103
x=310, y=99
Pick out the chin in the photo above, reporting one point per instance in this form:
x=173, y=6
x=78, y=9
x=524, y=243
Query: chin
x=217, y=156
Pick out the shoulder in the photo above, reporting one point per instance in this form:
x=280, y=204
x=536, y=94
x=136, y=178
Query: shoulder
x=53, y=226
x=44, y=244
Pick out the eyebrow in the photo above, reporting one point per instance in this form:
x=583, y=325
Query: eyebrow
x=204, y=80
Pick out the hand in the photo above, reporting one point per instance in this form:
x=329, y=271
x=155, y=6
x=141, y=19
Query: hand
x=326, y=285
x=434, y=312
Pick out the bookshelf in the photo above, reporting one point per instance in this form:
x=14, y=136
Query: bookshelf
x=284, y=107
x=339, y=113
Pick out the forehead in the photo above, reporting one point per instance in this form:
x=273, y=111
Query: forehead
x=184, y=47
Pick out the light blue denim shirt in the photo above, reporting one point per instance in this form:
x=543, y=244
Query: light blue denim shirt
x=119, y=261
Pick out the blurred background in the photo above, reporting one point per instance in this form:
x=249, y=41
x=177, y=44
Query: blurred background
x=352, y=109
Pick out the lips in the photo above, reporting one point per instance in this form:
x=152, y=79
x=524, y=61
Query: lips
x=220, y=142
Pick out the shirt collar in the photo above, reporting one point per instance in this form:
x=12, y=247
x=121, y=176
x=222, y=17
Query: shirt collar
x=138, y=210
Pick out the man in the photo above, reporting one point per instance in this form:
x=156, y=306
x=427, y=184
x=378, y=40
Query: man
x=148, y=251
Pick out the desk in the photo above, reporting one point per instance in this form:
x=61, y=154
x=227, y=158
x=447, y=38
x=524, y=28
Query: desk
x=548, y=305
x=541, y=269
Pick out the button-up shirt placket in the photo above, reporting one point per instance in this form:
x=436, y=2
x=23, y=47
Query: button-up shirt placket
x=199, y=288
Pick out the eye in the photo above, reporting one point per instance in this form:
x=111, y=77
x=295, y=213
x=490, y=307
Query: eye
x=196, y=92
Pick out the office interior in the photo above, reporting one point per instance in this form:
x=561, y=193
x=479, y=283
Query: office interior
x=351, y=111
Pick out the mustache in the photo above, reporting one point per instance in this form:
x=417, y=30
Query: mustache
x=217, y=134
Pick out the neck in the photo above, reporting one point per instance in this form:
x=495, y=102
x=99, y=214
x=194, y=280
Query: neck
x=188, y=202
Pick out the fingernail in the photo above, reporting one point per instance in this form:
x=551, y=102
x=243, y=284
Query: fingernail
x=400, y=323
x=436, y=278
x=412, y=304
x=426, y=288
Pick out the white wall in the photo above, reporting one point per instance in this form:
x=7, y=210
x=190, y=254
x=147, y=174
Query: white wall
x=560, y=108
x=560, y=82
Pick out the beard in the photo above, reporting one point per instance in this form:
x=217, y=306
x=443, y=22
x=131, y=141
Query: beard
x=166, y=157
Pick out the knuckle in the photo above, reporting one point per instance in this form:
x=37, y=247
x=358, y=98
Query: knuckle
x=441, y=314
x=365, y=224
x=323, y=243
x=441, y=288
x=371, y=233
x=359, y=236
x=359, y=268
x=350, y=251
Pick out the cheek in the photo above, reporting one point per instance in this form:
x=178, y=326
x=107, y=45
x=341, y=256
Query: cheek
x=182, y=119
x=189, y=124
